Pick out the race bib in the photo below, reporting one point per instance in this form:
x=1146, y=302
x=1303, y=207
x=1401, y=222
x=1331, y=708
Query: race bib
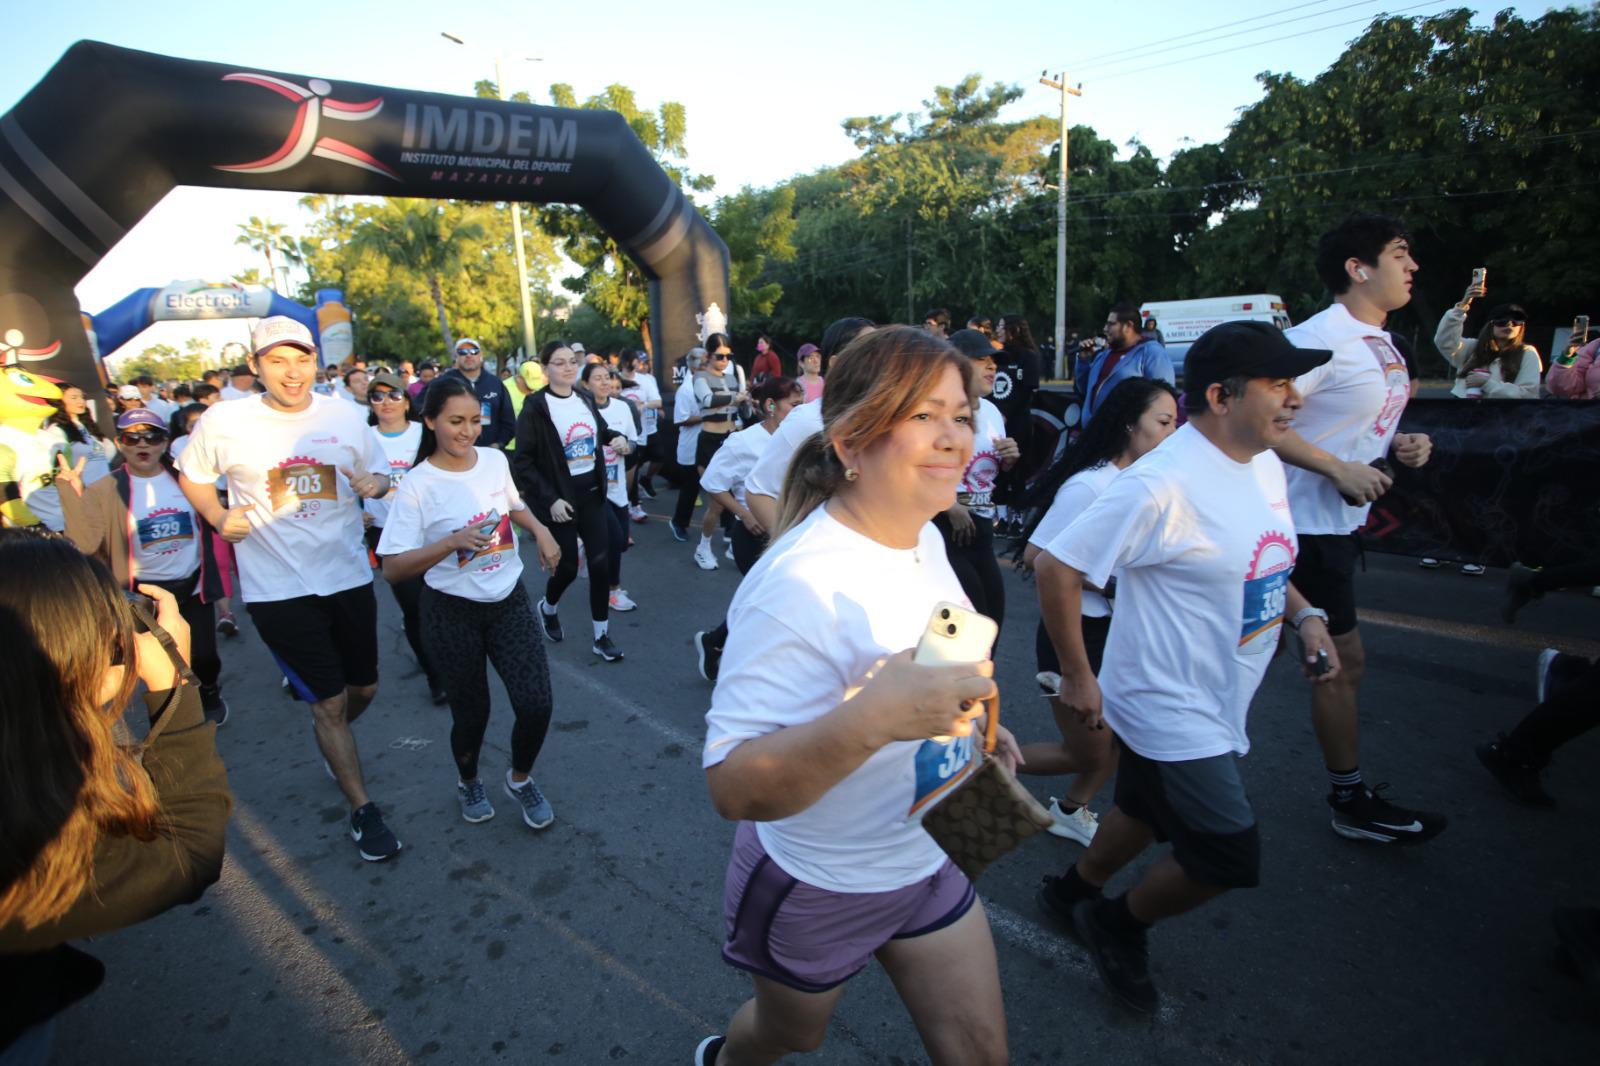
x=579, y=449
x=302, y=484
x=165, y=531
x=1266, y=594
x=940, y=767
x=613, y=468
x=488, y=413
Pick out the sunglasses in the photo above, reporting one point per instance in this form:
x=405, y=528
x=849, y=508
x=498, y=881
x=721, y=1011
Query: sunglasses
x=467, y=351
x=135, y=440
x=1510, y=322
x=386, y=396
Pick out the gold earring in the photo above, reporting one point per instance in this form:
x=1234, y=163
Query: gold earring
x=851, y=473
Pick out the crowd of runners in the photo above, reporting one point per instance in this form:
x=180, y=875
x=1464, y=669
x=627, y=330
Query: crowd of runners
x=1172, y=544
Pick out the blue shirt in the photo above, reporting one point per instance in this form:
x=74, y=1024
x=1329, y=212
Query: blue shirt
x=1147, y=359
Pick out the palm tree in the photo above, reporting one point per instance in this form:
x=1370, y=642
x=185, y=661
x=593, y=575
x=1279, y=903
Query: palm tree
x=271, y=239
x=416, y=236
x=251, y=277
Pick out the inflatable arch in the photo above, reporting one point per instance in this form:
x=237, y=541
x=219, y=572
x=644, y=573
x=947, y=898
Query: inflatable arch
x=109, y=131
x=188, y=301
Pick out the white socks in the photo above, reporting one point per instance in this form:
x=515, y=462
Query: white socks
x=549, y=611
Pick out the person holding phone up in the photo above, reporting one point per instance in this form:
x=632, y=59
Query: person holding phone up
x=450, y=523
x=1498, y=364
x=826, y=742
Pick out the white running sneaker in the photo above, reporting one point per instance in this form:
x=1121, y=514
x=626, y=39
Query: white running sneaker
x=727, y=549
x=705, y=558
x=1080, y=825
x=636, y=513
x=620, y=601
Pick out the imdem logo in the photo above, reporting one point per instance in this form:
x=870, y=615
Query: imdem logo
x=313, y=103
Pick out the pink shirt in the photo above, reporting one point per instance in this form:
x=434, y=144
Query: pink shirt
x=1581, y=380
x=813, y=390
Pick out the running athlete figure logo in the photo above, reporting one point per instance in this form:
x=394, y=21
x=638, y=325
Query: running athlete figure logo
x=303, y=139
x=12, y=353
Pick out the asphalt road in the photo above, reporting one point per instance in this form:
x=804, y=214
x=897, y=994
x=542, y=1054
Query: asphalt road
x=598, y=939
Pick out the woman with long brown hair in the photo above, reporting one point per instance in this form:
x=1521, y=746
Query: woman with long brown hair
x=827, y=743
x=1499, y=364
x=88, y=843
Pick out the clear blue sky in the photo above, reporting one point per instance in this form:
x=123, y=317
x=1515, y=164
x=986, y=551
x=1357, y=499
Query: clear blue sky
x=765, y=85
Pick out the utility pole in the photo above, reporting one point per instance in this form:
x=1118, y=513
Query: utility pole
x=516, y=218
x=1061, y=221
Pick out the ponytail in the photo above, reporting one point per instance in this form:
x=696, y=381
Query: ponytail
x=814, y=476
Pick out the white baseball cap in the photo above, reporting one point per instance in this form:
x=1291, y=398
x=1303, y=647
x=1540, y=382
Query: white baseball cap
x=577, y=346
x=281, y=329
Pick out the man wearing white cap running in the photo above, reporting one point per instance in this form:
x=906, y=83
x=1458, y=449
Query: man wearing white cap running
x=297, y=465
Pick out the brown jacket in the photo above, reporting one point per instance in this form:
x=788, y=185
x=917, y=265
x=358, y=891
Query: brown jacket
x=98, y=524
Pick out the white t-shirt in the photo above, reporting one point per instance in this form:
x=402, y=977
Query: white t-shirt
x=434, y=503
x=36, y=468
x=1202, y=546
x=685, y=407
x=228, y=392
x=1353, y=404
x=766, y=477
x=735, y=459
x=162, y=529
x=97, y=452
x=401, y=450
x=809, y=620
x=289, y=468
x=977, y=484
x=575, y=426
x=619, y=418
x=1072, y=499
x=642, y=391
x=165, y=408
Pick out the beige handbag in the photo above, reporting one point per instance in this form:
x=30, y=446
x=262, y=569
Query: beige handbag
x=986, y=815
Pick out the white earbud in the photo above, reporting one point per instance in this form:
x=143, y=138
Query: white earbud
x=1361, y=272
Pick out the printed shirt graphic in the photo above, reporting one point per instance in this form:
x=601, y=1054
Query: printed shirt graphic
x=490, y=558
x=399, y=450
x=575, y=427
x=1398, y=382
x=162, y=528
x=977, y=484
x=617, y=417
x=1266, y=593
x=433, y=503
x=300, y=488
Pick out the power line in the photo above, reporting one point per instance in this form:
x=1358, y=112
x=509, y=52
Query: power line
x=1133, y=57
x=1212, y=29
x=1270, y=40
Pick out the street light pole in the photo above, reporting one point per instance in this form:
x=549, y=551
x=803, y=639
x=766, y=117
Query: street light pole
x=1061, y=223
x=523, y=296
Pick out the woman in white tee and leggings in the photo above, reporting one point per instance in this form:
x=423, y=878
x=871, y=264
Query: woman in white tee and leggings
x=826, y=742
x=450, y=523
x=558, y=467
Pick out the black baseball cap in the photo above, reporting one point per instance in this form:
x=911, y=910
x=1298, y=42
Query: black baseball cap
x=1250, y=349
x=972, y=344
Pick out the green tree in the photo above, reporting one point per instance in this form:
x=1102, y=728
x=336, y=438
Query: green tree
x=758, y=227
x=272, y=241
x=425, y=238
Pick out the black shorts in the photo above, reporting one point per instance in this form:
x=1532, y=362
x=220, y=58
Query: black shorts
x=1199, y=805
x=323, y=644
x=707, y=446
x=1325, y=574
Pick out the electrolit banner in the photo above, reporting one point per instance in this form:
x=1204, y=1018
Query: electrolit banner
x=187, y=300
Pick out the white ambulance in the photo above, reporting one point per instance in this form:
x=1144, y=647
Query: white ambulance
x=1180, y=322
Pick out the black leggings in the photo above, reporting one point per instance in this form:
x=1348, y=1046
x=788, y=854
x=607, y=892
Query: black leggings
x=407, y=593
x=468, y=636
x=1566, y=713
x=202, y=619
x=617, y=536
x=747, y=548
x=688, y=489
x=589, y=524
x=977, y=568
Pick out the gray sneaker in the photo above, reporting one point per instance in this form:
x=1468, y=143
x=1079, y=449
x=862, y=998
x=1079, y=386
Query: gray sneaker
x=474, y=800
x=536, y=810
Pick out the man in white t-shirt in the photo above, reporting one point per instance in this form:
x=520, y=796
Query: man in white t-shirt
x=298, y=465
x=241, y=382
x=1346, y=431
x=1201, y=537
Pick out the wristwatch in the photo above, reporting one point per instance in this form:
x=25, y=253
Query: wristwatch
x=1307, y=612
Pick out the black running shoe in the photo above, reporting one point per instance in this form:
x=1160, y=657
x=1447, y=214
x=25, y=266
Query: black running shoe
x=1369, y=816
x=437, y=694
x=647, y=488
x=1058, y=901
x=228, y=627
x=1516, y=775
x=372, y=837
x=710, y=658
x=213, y=705
x=1124, y=965
x=607, y=650
x=679, y=534
x=550, y=623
